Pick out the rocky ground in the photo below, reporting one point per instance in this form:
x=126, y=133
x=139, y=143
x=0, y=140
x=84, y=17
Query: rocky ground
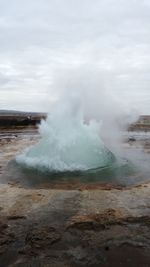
x=107, y=226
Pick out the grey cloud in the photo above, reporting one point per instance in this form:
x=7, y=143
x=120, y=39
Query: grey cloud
x=38, y=37
x=3, y=79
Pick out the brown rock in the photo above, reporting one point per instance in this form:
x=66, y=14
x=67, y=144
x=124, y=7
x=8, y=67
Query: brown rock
x=42, y=237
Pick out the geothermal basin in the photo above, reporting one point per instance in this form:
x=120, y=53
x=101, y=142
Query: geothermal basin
x=93, y=218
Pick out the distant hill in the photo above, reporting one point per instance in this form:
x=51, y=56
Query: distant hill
x=4, y=112
x=12, y=118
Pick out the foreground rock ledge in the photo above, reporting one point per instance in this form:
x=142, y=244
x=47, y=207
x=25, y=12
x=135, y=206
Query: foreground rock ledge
x=74, y=228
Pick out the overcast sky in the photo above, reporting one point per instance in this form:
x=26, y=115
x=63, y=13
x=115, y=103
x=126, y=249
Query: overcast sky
x=41, y=37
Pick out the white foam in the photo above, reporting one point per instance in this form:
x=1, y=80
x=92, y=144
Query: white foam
x=67, y=143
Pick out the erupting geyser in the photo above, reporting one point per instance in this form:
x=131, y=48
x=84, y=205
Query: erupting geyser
x=68, y=143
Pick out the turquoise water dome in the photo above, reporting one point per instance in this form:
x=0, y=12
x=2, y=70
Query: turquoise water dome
x=67, y=144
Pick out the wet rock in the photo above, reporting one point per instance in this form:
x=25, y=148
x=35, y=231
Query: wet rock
x=42, y=237
x=80, y=256
x=139, y=219
x=41, y=263
x=16, y=217
x=96, y=221
x=131, y=139
x=6, y=237
x=3, y=225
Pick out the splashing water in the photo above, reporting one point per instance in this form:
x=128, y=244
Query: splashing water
x=67, y=143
